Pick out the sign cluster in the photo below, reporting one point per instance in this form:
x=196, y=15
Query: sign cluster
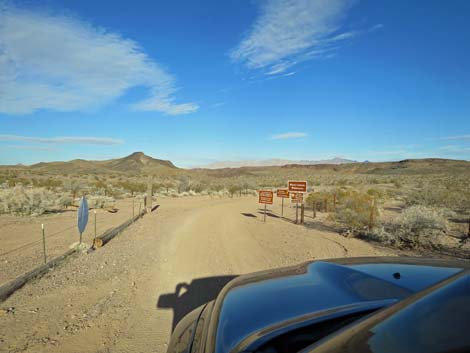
x=295, y=191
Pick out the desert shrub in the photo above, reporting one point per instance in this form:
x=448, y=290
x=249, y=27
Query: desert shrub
x=356, y=210
x=216, y=187
x=376, y=193
x=184, y=183
x=132, y=187
x=48, y=183
x=27, y=201
x=233, y=189
x=316, y=199
x=65, y=200
x=452, y=193
x=74, y=186
x=198, y=187
x=99, y=201
x=418, y=226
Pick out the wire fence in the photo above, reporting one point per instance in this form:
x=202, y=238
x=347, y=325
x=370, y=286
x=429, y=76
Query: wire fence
x=16, y=260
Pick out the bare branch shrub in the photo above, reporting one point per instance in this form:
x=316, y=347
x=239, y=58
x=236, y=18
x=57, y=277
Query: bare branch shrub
x=417, y=226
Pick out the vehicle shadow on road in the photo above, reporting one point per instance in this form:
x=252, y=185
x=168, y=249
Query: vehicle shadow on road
x=189, y=296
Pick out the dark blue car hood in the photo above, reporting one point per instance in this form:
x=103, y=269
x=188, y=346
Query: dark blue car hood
x=252, y=309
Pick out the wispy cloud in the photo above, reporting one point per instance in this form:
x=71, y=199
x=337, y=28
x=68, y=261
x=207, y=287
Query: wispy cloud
x=455, y=150
x=63, y=140
x=31, y=148
x=62, y=64
x=288, y=135
x=288, y=32
x=459, y=137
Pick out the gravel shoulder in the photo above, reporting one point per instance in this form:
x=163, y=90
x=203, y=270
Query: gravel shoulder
x=127, y=296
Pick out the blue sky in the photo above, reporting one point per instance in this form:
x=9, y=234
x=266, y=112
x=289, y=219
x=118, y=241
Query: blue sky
x=201, y=81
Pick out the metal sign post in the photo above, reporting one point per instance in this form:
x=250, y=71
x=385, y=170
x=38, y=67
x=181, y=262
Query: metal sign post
x=82, y=216
x=44, y=243
x=265, y=197
x=283, y=194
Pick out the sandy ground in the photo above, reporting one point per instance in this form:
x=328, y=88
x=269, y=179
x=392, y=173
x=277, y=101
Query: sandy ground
x=127, y=296
x=21, y=247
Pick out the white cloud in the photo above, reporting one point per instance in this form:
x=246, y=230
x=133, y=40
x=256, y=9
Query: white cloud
x=59, y=63
x=288, y=135
x=291, y=31
x=63, y=140
x=460, y=137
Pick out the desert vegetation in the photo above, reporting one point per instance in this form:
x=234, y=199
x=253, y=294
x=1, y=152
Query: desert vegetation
x=408, y=204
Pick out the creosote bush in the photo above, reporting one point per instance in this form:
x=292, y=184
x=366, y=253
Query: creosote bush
x=356, y=210
x=27, y=201
x=417, y=226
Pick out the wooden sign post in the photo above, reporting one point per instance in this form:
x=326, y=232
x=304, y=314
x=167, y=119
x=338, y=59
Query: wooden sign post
x=94, y=238
x=297, y=188
x=297, y=197
x=265, y=197
x=283, y=194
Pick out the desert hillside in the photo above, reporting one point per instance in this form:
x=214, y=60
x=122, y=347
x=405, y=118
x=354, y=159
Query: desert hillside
x=135, y=163
x=139, y=163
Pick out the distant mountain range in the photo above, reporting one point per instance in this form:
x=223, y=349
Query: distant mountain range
x=274, y=163
x=135, y=163
x=139, y=163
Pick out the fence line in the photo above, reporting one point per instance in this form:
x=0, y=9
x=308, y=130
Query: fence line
x=10, y=287
x=48, y=236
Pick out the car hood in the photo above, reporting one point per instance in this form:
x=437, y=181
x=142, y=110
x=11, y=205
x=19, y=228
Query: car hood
x=254, y=308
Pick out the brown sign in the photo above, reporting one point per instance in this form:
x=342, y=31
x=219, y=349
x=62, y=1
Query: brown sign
x=297, y=186
x=283, y=193
x=297, y=197
x=266, y=197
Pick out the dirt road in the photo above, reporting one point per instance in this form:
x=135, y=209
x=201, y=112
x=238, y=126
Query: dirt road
x=127, y=296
